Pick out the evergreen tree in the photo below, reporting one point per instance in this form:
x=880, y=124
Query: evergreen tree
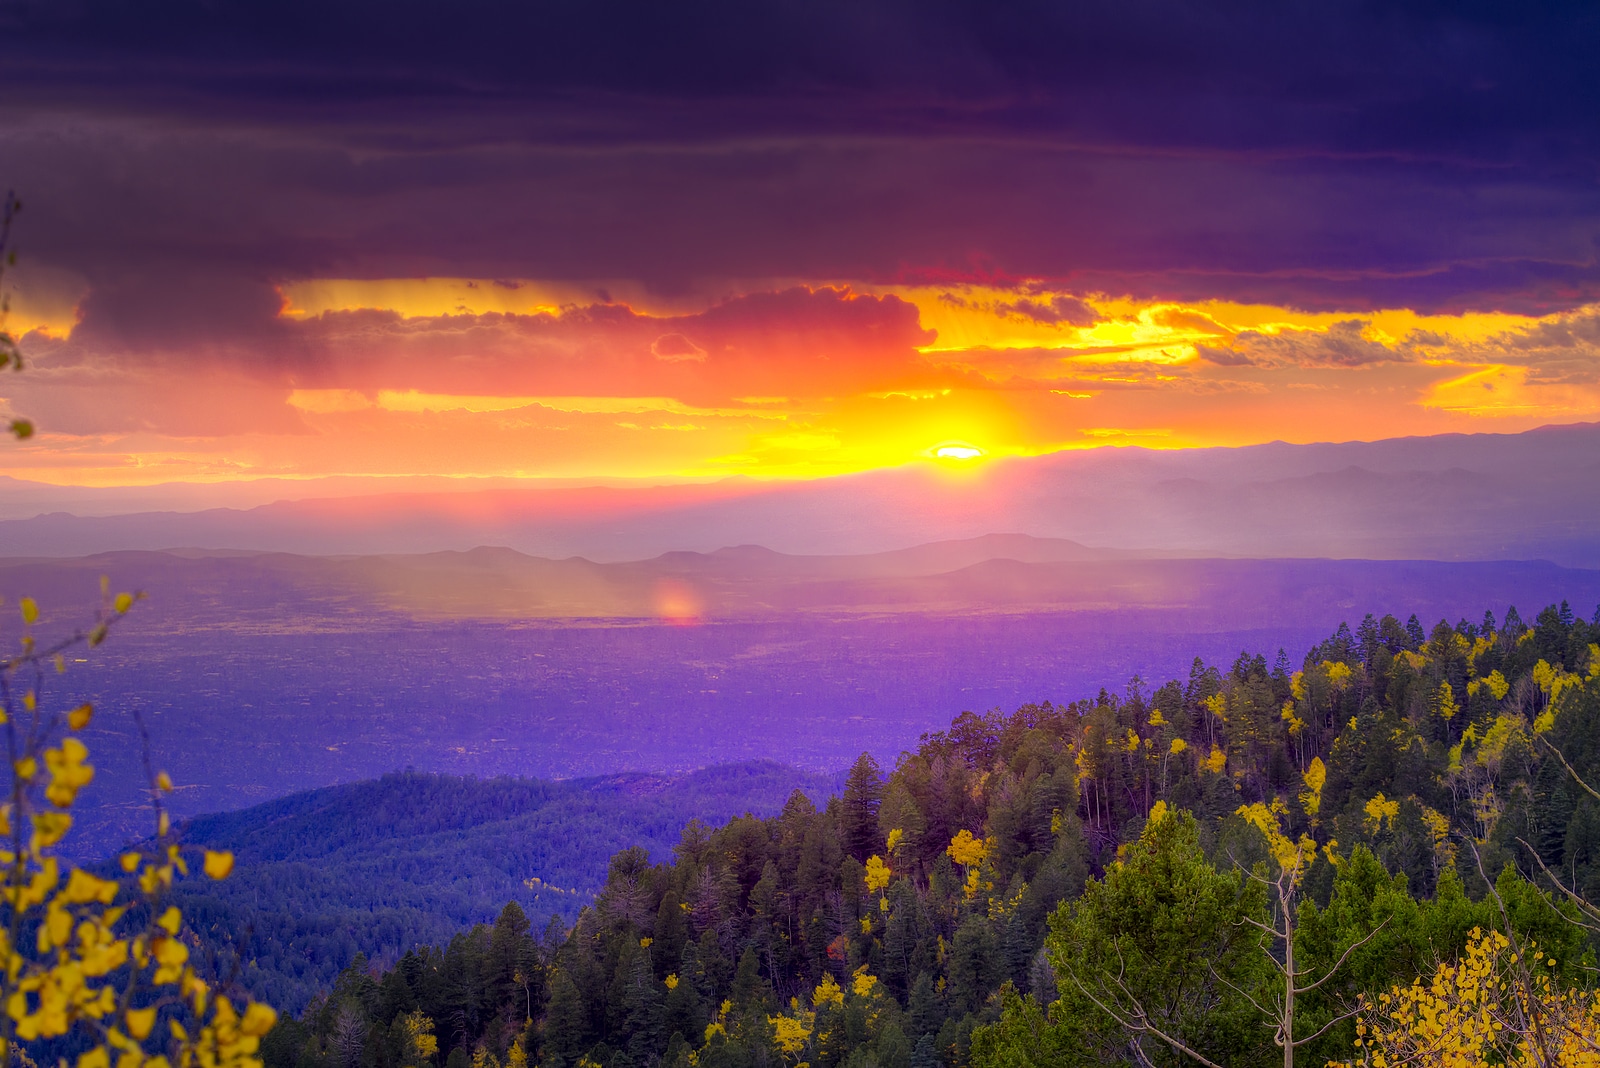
x=858, y=809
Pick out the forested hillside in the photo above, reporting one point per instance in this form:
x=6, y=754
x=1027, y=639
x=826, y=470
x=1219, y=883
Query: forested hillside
x=1407, y=776
x=378, y=868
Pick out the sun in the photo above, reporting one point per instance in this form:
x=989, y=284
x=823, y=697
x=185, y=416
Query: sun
x=957, y=450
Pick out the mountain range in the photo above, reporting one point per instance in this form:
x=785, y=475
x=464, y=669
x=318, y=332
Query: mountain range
x=1445, y=497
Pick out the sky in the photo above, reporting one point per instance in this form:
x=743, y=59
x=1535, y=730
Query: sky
x=623, y=240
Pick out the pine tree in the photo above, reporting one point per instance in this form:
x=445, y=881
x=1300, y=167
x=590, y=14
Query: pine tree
x=858, y=809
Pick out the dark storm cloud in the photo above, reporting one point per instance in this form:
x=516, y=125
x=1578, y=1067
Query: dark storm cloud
x=187, y=155
x=1469, y=80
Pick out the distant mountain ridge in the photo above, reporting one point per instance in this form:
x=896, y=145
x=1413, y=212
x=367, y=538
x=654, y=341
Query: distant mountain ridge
x=233, y=589
x=1450, y=497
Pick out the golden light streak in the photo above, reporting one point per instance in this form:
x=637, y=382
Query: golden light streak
x=427, y=297
x=1500, y=391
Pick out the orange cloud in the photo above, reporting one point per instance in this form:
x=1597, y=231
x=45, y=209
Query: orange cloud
x=796, y=342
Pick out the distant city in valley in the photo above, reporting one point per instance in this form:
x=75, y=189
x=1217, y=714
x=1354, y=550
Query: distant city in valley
x=309, y=671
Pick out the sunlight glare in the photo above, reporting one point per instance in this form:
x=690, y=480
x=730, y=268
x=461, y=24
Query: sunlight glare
x=957, y=452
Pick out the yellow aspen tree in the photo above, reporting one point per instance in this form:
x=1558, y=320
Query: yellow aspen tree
x=1493, y=1007
x=76, y=956
x=790, y=1035
x=969, y=852
x=418, y=1044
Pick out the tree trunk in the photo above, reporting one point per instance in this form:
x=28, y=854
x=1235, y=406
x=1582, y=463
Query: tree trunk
x=1288, y=985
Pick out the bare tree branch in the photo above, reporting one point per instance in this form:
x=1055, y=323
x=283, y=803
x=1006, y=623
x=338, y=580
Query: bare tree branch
x=1570, y=770
x=1585, y=905
x=1343, y=957
x=1139, y=1022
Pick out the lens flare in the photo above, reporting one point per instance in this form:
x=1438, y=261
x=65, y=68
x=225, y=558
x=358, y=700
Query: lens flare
x=677, y=603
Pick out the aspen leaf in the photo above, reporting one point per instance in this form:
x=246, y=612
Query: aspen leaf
x=124, y=602
x=218, y=864
x=258, y=1019
x=30, y=610
x=140, y=1021
x=79, y=717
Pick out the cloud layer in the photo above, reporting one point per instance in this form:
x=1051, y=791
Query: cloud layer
x=791, y=237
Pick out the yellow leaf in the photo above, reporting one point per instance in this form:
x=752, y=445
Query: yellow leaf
x=218, y=864
x=79, y=717
x=258, y=1019
x=140, y=1021
x=30, y=610
x=171, y=920
x=124, y=602
x=164, y=782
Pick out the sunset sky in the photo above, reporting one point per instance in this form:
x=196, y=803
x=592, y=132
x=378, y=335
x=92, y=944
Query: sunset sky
x=618, y=240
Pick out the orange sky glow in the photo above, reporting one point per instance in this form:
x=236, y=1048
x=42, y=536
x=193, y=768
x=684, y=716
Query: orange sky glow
x=770, y=379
